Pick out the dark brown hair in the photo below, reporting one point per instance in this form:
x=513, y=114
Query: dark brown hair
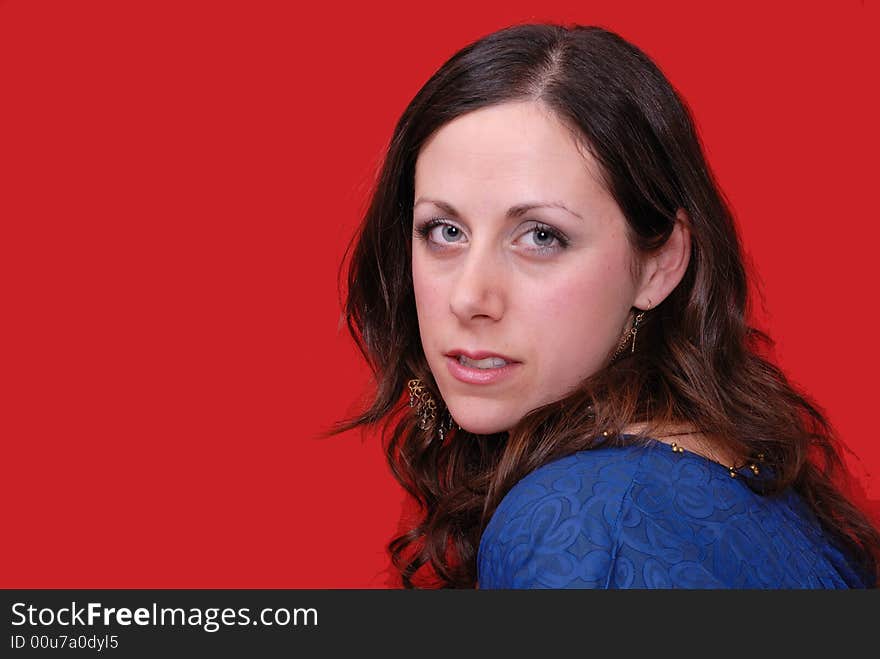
x=699, y=361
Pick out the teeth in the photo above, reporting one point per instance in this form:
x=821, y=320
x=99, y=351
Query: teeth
x=489, y=362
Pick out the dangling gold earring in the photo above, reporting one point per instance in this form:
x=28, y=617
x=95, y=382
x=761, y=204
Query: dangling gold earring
x=421, y=399
x=426, y=409
x=639, y=317
x=635, y=328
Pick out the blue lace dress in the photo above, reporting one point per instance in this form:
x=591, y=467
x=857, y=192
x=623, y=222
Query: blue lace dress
x=645, y=516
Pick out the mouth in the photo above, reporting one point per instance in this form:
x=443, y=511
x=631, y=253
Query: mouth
x=481, y=359
x=480, y=368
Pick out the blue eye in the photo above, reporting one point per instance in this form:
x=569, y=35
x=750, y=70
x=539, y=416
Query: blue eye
x=541, y=234
x=450, y=232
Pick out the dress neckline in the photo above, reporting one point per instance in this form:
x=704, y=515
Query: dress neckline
x=743, y=470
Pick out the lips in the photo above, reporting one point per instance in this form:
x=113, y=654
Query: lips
x=480, y=354
x=472, y=375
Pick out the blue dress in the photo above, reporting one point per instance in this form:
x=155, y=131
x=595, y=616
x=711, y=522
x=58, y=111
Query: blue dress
x=645, y=516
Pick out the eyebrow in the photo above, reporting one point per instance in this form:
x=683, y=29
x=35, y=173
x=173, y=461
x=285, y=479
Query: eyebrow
x=514, y=211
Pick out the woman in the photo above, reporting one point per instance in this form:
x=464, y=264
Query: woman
x=550, y=290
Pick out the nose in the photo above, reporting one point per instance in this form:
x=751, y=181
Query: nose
x=479, y=289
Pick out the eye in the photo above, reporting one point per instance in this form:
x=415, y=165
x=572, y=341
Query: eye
x=544, y=238
x=447, y=233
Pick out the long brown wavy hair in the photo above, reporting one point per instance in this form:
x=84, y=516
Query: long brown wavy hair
x=699, y=361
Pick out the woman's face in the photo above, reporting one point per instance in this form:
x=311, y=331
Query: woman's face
x=518, y=251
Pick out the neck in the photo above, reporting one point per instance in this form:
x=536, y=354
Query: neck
x=687, y=436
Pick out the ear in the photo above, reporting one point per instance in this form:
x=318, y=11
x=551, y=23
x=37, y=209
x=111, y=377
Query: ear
x=664, y=268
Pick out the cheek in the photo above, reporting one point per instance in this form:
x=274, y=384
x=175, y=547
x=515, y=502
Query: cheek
x=423, y=290
x=578, y=299
x=576, y=320
x=429, y=297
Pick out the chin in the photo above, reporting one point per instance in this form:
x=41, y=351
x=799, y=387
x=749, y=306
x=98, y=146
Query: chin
x=484, y=429
x=482, y=415
x=482, y=425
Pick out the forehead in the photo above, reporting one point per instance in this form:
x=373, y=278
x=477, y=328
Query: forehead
x=520, y=149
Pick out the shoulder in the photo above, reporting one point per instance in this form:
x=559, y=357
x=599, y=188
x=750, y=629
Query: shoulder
x=613, y=517
x=604, y=472
x=555, y=528
x=645, y=516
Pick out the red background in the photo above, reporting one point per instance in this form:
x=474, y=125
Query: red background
x=178, y=181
